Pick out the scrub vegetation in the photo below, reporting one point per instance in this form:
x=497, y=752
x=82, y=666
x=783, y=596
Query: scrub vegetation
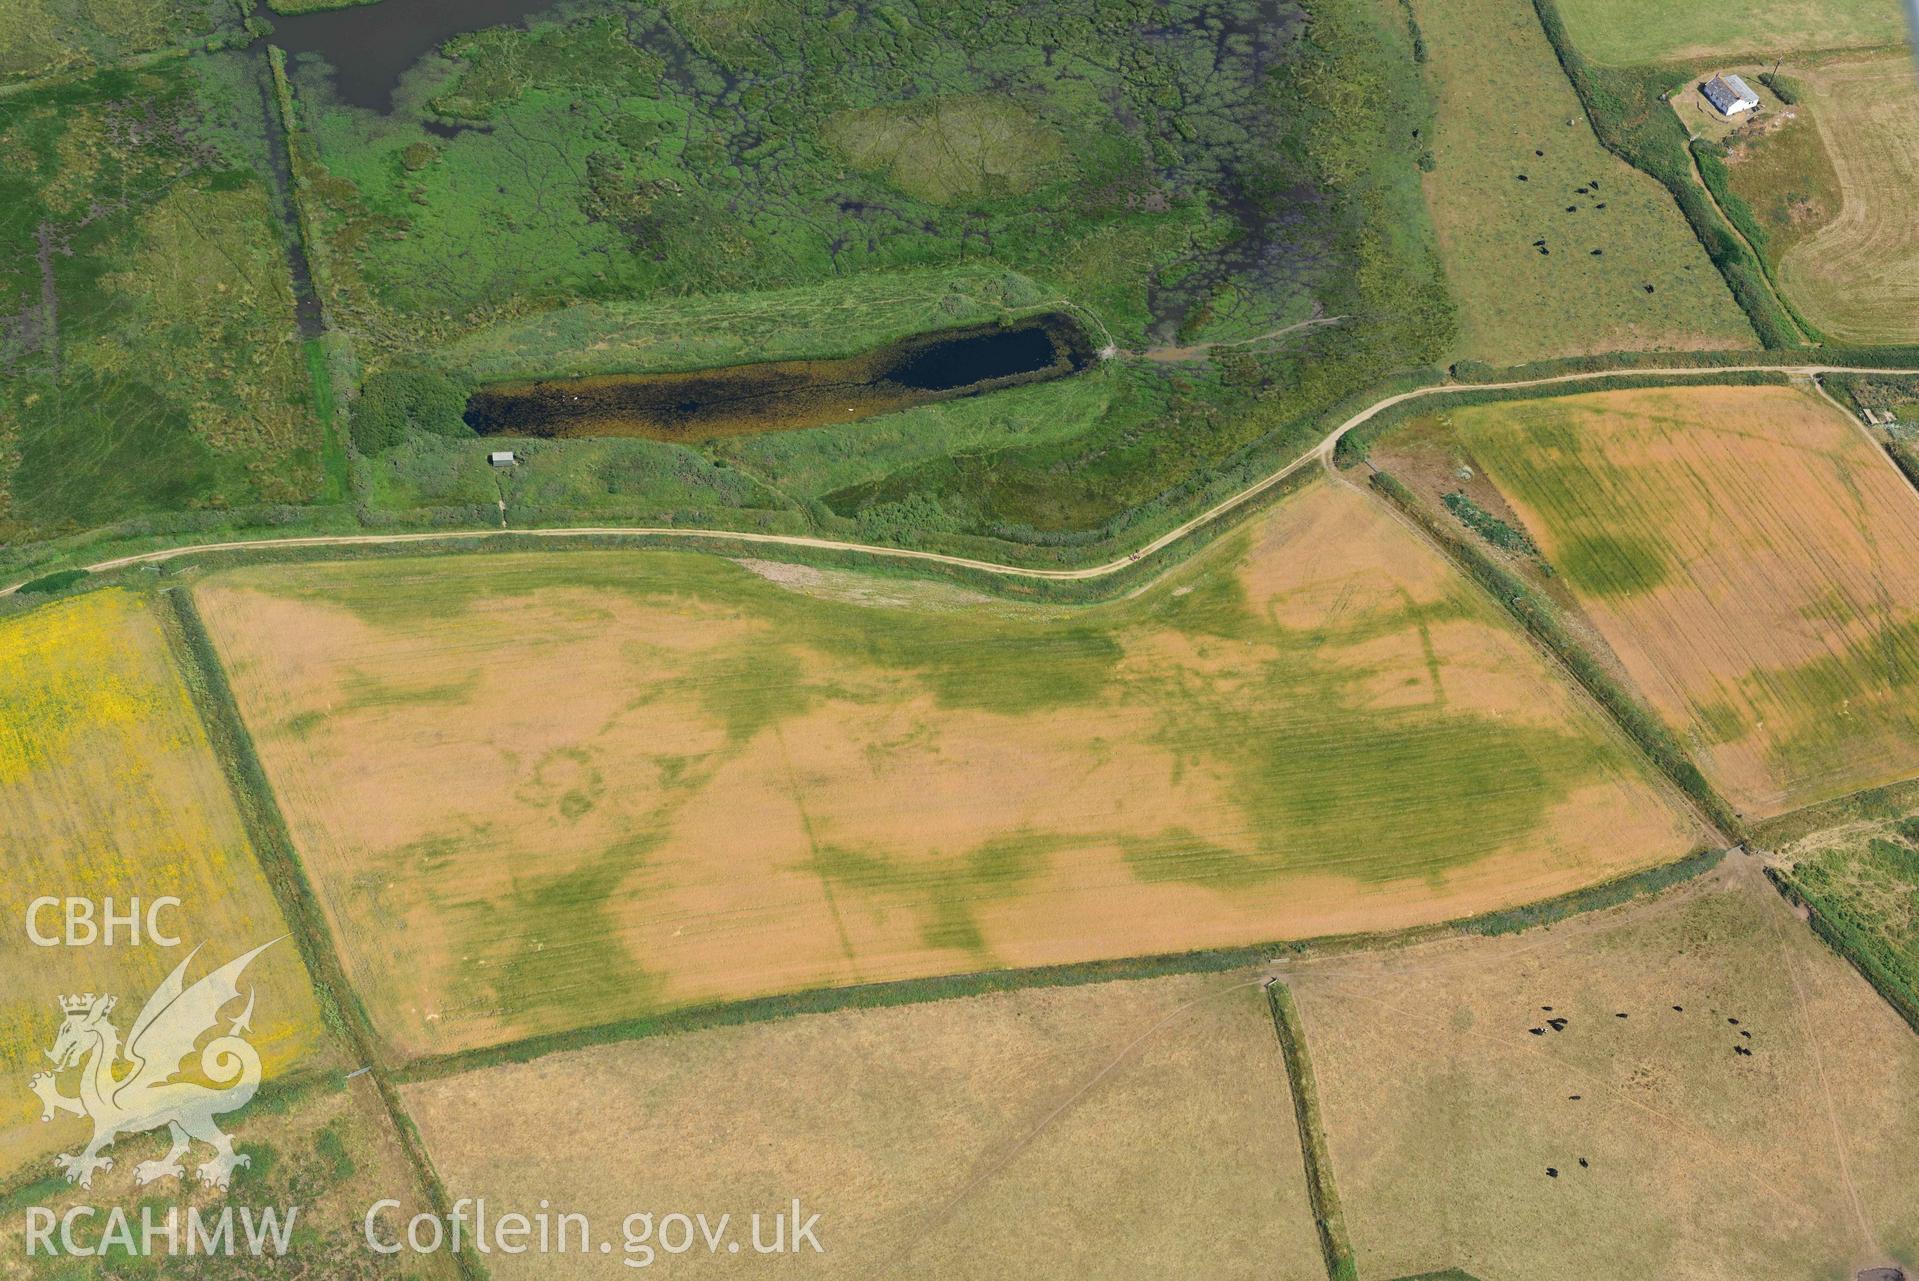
x=749, y=183
x=322, y=1146
x=1861, y=881
x=50, y=37
x=149, y=359
x=691, y=775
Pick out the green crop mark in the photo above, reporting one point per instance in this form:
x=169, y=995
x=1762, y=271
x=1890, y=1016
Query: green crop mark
x=1612, y=564
x=943, y=892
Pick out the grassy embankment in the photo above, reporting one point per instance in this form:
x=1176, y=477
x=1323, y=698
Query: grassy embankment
x=1335, y=1247
x=339, y=1003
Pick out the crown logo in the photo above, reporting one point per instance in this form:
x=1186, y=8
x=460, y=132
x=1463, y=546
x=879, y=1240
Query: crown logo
x=76, y=1004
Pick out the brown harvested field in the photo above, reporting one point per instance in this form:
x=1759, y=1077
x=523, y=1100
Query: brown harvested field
x=1752, y=558
x=1444, y=1110
x=543, y=791
x=1138, y=1129
x=1857, y=277
x=110, y=789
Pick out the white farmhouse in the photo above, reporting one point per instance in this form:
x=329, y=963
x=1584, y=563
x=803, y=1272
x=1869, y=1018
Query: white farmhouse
x=1730, y=95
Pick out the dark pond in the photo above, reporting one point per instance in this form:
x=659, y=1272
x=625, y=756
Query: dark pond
x=370, y=46
x=785, y=395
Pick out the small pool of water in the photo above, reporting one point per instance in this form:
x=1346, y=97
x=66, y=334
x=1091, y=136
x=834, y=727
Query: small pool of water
x=370, y=46
x=785, y=395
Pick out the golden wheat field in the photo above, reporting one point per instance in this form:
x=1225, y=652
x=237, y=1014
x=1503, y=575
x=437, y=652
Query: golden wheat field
x=1751, y=557
x=537, y=791
x=108, y=788
x=1119, y=1130
x=1693, y=1086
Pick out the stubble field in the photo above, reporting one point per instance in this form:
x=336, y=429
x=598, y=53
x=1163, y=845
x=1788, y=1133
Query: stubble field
x=1120, y=1130
x=1550, y=242
x=1751, y=558
x=541, y=792
x=1857, y=277
x=108, y=788
x=1692, y=1087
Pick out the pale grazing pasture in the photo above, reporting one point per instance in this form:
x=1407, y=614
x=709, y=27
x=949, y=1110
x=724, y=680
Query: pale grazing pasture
x=1692, y=1087
x=1122, y=1130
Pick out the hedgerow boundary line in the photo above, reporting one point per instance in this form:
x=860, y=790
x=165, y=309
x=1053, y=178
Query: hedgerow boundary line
x=1328, y=1218
x=272, y=842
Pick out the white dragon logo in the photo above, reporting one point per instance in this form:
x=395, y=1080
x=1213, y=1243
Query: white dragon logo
x=145, y=1094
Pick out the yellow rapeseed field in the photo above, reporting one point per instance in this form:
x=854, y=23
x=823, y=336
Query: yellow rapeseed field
x=109, y=789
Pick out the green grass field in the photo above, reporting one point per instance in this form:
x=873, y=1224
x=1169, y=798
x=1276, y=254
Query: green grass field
x=1552, y=245
x=152, y=360
x=702, y=330
x=1630, y=32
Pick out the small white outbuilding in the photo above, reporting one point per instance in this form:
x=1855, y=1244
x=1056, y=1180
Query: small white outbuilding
x=503, y=458
x=1729, y=95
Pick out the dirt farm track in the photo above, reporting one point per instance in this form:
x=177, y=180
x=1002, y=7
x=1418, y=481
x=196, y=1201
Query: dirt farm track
x=1322, y=454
